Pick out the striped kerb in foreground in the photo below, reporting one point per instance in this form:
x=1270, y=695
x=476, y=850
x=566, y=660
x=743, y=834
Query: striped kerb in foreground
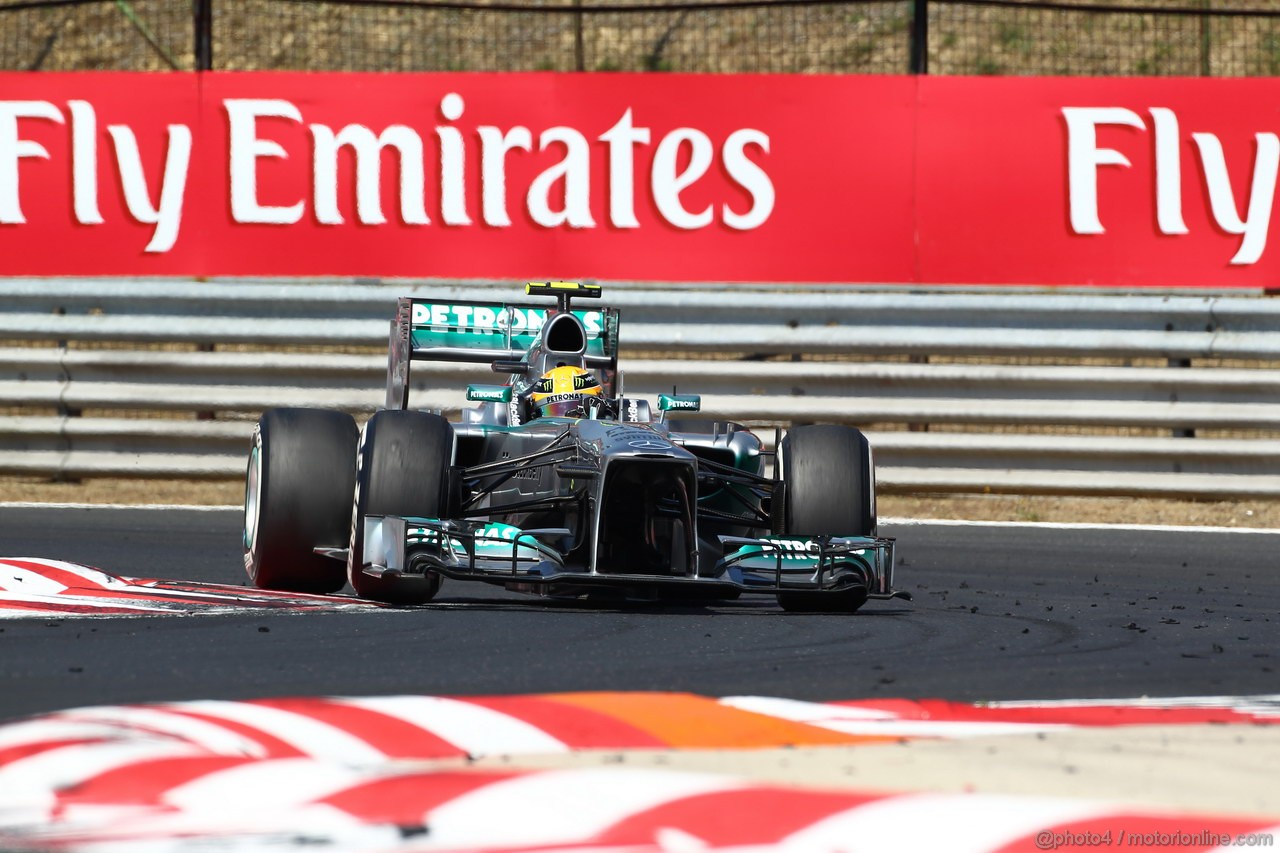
x=387, y=774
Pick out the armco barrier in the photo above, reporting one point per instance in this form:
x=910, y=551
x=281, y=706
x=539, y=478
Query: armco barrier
x=90, y=392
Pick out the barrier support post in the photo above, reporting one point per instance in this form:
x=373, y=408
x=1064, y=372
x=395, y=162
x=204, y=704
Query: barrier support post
x=202, y=13
x=919, y=60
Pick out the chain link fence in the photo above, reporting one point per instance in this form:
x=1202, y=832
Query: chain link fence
x=1200, y=38
x=1010, y=37
x=63, y=35
x=780, y=37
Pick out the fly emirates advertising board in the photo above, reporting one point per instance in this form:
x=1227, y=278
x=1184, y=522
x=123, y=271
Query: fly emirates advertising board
x=641, y=177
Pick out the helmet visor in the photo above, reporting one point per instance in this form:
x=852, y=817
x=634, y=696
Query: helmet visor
x=571, y=406
x=567, y=406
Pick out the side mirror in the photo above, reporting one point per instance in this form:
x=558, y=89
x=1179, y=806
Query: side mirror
x=679, y=403
x=577, y=471
x=489, y=393
x=503, y=365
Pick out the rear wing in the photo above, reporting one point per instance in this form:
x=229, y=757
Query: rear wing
x=482, y=333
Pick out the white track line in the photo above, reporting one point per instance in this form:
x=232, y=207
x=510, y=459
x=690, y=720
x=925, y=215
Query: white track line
x=1064, y=525
x=1263, y=705
x=899, y=522
x=866, y=721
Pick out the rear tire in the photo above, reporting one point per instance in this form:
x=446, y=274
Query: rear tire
x=297, y=497
x=402, y=470
x=829, y=491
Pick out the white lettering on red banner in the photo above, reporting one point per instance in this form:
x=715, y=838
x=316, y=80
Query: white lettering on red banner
x=166, y=215
x=559, y=196
x=766, y=178
x=1084, y=156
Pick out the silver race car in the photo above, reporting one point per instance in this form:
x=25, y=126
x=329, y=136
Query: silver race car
x=556, y=482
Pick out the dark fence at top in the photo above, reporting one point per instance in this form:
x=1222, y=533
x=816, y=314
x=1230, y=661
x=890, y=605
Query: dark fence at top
x=1128, y=37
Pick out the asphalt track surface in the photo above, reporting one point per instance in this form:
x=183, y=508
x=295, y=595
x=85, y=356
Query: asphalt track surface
x=1001, y=612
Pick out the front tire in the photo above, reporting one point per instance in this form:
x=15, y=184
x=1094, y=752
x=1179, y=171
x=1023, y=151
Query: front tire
x=297, y=497
x=402, y=470
x=829, y=491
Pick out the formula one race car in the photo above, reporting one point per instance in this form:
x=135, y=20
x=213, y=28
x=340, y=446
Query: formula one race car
x=556, y=483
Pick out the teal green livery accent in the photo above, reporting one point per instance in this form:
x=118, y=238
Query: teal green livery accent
x=679, y=402
x=493, y=541
x=489, y=393
x=796, y=553
x=497, y=327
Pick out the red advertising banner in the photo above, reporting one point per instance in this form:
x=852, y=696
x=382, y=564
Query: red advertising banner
x=1112, y=181
x=102, y=174
x=456, y=175
x=1126, y=182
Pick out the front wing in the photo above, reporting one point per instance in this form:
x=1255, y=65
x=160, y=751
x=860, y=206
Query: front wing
x=499, y=553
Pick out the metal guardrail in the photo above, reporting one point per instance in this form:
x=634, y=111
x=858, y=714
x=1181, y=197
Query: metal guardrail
x=783, y=320
x=90, y=392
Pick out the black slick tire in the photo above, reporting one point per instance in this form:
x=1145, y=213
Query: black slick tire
x=298, y=497
x=829, y=491
x=402, y=469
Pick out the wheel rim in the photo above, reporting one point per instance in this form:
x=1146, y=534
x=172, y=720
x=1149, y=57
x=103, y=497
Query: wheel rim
x=252, y=497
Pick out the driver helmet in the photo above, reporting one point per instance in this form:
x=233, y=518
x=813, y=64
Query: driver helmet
x=567, y=392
